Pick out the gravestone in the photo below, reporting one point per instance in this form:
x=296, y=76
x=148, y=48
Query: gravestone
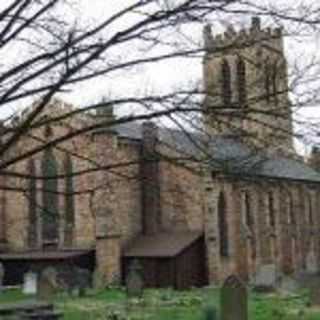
x=315, y=292
x=1, y=276
x=311, y=263
x=47, y=284
x=134, y=281
x=73, y=279
x=30, y=283
x=266, y=278
x=98, y=280
x=288, y=285
x=234, y=300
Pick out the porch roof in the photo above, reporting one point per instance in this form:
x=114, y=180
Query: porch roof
x=44, y=255
x=161, y=245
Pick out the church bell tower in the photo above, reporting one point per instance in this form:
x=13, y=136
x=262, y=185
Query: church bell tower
x=246, y=86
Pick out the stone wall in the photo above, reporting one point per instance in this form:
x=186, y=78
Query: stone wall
x=181, y=192
x=17, y=201
x=108, y=259
x=289, y=245
x=261, y=51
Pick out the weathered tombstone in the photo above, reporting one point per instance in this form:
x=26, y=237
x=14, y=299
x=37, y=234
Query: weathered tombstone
x=30, y=283
x=98, y=280
x=134, y=281
x=47, y=284
x=1, y=275
x=73, y=279
x=288, y=285
x=311, y=263
x=266, y=278
x=234, y=300
x=210, y=313
x=315, y=293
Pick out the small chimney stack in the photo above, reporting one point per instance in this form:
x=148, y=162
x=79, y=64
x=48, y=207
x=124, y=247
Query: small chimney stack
x=255, y=23
x=314, y=160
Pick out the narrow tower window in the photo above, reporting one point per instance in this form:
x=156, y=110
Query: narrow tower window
x=69, y=192
x=32, y=196
x=226, y=84
x=310, y=212
x=223, y=226
x=275, y=84
x=291, y=216
x=49, y=197
x=272, y=221
x=267, y=82
x=241, y=83
x=248, y=214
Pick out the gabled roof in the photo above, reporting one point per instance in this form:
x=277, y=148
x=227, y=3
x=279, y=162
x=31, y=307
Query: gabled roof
x=161, y=245
x=44, y=255
x=234, y=157
x=227, y=154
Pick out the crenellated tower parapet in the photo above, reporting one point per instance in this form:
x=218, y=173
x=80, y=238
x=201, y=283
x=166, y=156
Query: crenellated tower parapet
x=246, y=84
x=244, y=37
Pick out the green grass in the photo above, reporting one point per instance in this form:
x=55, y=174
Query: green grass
x=12, y=296
x=169, y=304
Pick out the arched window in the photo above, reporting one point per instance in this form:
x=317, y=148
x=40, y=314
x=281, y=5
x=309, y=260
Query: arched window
x=275, y=83
x=50, y=215
x=248, y=214
x=226, y=84
x=223, y=226
x=310, y=211
x=291, y=215
x=32, y=208
x=267, y=81
x=272, y=221
x=69, y=192
x=241, y=83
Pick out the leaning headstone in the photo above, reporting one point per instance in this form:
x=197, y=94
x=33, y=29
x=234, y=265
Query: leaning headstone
x=210, y=313
x=315, y=293
x=47, y=284
x=1, y=276
x=234, y=300
x=288, y=285
x=266, y=278
x=73, y=279
x=134, y=281
x=30, y=283
x=98, y=280
x=311, y=263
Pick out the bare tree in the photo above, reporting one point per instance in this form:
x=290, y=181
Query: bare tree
x=55, y=54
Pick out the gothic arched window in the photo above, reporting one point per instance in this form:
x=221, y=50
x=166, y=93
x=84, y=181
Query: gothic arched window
x=50, y=215
x=274, y=83
x=267, y=81
x=291, y=215
x=223, y=226
x=32, y=208
x=241, y=82
x=310, y=211
x=271, y=212
x=226, y=84
x=248, y=214
x=69, y=192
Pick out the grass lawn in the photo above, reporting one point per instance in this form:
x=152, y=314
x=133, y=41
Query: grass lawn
x=168, y=304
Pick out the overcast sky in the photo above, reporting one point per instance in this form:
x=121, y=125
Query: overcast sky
x=179, y=72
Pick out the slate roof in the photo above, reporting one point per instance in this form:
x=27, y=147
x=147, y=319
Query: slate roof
x=161, y=245
x=227, y=154
x=44, y=255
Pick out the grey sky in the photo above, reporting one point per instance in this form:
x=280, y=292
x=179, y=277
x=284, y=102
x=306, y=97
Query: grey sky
x=178, y=73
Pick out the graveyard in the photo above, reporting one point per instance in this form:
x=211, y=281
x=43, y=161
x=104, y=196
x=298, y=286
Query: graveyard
x=160, y=304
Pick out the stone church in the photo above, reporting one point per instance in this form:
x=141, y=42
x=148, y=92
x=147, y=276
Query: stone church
x=192, y=207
